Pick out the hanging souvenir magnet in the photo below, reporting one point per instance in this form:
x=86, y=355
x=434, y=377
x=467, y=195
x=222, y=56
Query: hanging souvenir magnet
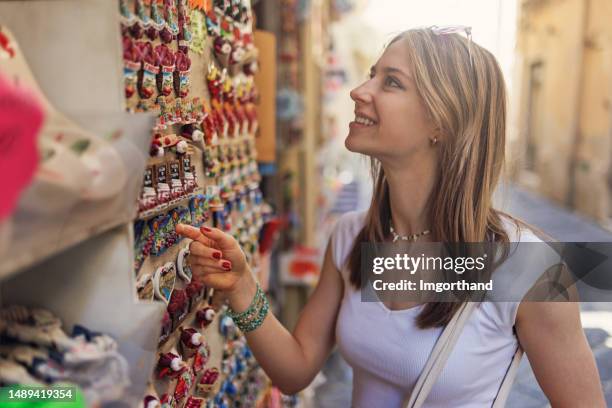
x=148, y=198
x=170, y=30
x=195, y=293
x=207, y=381
x=144, y=287
x=132, y=61
x=227, y=328
x=212, y=24
x=201, y=358
x=163, y=281
x=181, y=76
x=191, y=340
x=176, y=185
x=199, y=210
x=157, y=22
x=184, y=271
x=184, y=35
x=150, y=69
x=183, y=385
x=166, y=327
x=205, y=316
x=165, y=78
x=163, y=188
x=194, y=402
x=143, y=21
x=189, y=176
x=143, y=242
x=170, y=365
x=165, y=113
x=178, y=307
x=128, y=19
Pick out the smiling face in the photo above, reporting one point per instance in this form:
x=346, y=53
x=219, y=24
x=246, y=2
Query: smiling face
x=391, y=121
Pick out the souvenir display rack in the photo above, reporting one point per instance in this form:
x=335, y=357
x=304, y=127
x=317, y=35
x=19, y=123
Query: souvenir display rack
x=68, y=244
x=83, y=279
x=192, y=63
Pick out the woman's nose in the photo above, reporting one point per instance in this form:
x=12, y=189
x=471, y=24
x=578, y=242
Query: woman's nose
x=361, y=93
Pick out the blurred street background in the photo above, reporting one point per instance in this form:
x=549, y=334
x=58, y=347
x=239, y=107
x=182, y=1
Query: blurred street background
x=557, y=60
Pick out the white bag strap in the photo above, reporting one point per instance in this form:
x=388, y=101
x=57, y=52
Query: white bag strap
x=440, y=353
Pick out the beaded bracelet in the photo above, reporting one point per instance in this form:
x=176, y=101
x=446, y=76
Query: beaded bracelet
x=254, y=316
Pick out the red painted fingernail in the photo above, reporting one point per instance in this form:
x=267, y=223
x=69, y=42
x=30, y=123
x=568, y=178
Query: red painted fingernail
x=206, y=229
x=217, y=255
x=226, y=265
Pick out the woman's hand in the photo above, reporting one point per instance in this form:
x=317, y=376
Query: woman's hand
x=215, y=257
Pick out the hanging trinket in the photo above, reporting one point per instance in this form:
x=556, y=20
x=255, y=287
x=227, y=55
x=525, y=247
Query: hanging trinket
x=199, y=210
x=170, y=30
x=191, y=340
x=207, y=381
x=128, y=19
x=178, y=307
x=176, y=185
x=150, y=69
x=143, y=242
x=181, y=76
x=201, y=358
x=170, y=365
x=184, y=271
x=132, y=62
x=162, y=186
x=195, y=293
x=184, y=35
x=165, y=78
x=163, y=281
x=144, y=288
x=205, y=316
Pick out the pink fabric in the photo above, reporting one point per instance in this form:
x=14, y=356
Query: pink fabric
x=21, y=117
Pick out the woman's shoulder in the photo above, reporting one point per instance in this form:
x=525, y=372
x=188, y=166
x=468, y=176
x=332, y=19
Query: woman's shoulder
x=520, y=231
x=343, y=235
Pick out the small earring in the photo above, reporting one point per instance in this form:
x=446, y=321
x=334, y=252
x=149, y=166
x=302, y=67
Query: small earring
x=434, y=141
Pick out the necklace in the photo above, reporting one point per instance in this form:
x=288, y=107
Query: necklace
x=412, y=237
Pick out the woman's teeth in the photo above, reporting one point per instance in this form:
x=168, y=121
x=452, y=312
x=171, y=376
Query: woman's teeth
x=364, y=121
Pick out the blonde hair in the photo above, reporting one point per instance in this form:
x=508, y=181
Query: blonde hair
x=463, y=91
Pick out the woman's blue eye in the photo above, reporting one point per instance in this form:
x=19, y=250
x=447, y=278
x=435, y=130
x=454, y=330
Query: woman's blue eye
x=389, y=81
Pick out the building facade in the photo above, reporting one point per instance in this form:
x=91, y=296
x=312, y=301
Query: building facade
x=561, y=138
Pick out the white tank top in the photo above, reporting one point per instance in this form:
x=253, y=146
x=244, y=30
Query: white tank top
x=387, y=351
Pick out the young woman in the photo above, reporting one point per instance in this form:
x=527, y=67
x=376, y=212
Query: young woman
x=432, y=119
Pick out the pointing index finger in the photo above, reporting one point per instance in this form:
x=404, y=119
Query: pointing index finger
x=192, y=232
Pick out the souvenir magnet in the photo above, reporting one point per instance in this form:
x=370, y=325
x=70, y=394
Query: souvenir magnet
x=163, y=189
x=165, y=78
x=184, y=271
x=205, y=316
x=207, y=381
x=191, y=340
x=163, y=281
x=170, y=365
x=144, y=287
x=201, y=358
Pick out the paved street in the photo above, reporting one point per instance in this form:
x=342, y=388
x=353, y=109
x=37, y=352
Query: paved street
x=596, y=317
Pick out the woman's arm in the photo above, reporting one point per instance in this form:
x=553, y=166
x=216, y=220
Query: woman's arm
x=291, y=360
x=551, y=335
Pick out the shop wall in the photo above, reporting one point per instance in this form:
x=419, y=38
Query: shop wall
x=564, y=86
